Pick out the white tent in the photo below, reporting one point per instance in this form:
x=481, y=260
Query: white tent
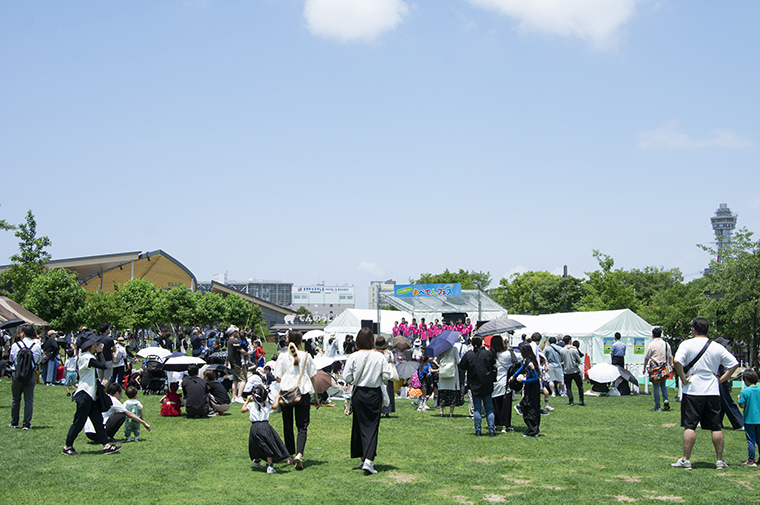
x=349, y=322
x=595, y=331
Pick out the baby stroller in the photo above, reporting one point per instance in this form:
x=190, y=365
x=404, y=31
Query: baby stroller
x=153, y=380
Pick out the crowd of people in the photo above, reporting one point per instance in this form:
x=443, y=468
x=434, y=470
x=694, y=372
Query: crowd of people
x=488, y=375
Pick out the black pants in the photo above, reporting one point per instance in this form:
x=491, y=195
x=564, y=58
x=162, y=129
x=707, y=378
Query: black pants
x=302, y=411
x=86, y=408
x=19, y=388
x=618, y=360
x=368, y=403
x=729, y=408
x=112, y=426
x=569, y=379
x=531, y=407
x=118, y=375
x=502, y=409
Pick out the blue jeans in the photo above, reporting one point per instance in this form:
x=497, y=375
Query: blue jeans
x=753, y=437
x=657, y=386
x=486, y=402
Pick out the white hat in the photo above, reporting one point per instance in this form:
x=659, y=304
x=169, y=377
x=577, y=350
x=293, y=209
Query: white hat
x=231, y=330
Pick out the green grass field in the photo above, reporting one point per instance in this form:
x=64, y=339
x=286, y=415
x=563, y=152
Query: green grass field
x=612, y=451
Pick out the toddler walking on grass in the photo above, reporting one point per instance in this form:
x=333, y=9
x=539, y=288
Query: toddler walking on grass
x=749, y=400
x=134, y=406
x=263, y=441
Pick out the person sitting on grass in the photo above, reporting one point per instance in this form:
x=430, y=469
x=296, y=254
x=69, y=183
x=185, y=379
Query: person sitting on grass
x=217, y=395
x=195, y=390
x=749, y=400
x=171, y=402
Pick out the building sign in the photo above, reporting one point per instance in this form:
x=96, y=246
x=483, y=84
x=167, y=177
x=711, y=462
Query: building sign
x=427, y=290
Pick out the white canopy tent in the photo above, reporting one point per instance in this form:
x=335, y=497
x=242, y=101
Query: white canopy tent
x=349, y=322
x=594, y=330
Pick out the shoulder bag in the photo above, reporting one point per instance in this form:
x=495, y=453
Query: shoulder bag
x=348, y=406
x=102, y=399
x=293, y=395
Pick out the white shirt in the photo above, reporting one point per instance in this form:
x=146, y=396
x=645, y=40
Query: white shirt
x=259, y=412
x=119, y=355
x=289, y=373
x=703, y=381
x=116, y=406
x=376, y=372
x=33, y=345
x=87, y=376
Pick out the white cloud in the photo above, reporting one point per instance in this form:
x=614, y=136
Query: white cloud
x=519, y=269
x=370, y=268
x=668, y=135
x=595, y=20
x=353, y=20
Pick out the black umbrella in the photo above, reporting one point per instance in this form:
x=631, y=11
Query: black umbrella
x=220, y=369
x=11, y=323
x=498, y=326
x=406, y=369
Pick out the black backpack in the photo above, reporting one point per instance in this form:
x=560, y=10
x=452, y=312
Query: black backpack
x=24, y=368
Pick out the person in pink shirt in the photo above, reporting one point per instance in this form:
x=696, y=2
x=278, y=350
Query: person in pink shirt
x=431, y=332
x=395, y=329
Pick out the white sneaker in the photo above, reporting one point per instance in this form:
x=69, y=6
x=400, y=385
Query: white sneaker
x=720, y=464
x=549, y=408
x=368, y=467
x=270, y=469
x=137, y=439
x=682, y=463
x=257, y=463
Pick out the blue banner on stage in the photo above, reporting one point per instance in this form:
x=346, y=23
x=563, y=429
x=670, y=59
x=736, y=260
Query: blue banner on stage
x=426, y=290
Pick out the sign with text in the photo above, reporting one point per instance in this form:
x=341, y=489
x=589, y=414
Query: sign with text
x=427, y=290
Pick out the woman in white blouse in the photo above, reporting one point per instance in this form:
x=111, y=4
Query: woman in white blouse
x=367, y=371
x=288, y=371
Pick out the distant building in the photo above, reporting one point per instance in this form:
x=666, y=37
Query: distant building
x=105, y=272
x=386, y=288
x=723, y=225
x=326, y=302
x=279, y=293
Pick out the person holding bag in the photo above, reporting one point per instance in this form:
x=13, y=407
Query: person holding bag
x=89, y=396
x=658, y=362
x=295, y=371
x=368, y=372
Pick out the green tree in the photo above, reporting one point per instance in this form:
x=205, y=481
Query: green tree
x=303, y=311
x=237, y=311
x=607, y=289
x=56, y=297
x=673, y=308
x=646, y=283
x=538, y=293
x=176, y=306
x=209, y=309
x=28, y=263
x=469, y=280
x=104, y=307
x=5, y=225
x=138, y=297
x=734, y=287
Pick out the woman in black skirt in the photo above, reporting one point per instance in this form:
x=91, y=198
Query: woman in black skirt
x=531, y=403
x=368, y=372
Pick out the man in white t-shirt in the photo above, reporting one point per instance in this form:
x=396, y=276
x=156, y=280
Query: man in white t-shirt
x=701, y=395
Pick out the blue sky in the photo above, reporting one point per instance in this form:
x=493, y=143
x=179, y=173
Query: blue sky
x=353, y=140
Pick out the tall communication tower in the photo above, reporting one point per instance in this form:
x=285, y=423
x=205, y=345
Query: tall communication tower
x=723, y=224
